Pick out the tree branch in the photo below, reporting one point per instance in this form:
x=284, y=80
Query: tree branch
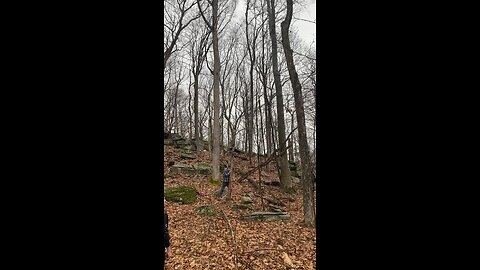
x=203, y=16
x=272, y=156
x=314, y=59
x=233, y=237
x=300, y=19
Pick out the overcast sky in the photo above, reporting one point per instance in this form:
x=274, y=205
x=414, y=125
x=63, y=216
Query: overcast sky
x=307, y=31
x=306, y=11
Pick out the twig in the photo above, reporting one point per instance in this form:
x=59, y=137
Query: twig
x=300, y=19
x=234, y=239
x=272, y=200
x=269, y=159
x=308, y=57
x=262, y=249
x=262, y=164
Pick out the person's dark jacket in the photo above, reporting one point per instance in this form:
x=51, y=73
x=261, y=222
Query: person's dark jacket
x=166, y=236
x=226, y=176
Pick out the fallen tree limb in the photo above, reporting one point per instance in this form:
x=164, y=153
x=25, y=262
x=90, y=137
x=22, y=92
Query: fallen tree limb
x=272, y=200
x=233, y=238
x=269, y=159
x=272, y=156
x=253, y=183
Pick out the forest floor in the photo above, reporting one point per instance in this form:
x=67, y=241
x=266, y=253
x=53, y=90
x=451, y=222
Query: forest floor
x=206, y=242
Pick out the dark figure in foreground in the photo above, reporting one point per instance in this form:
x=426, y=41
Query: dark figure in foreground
x=166, y=237
x=226, y=179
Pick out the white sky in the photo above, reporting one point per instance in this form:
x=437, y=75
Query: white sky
x=308, y=31
x=306, y=11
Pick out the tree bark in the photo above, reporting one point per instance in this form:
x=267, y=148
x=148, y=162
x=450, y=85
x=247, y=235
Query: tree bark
x=266, y=99
x=285, y=177
x=216, y=95
x=198, y=142
x=307, y=172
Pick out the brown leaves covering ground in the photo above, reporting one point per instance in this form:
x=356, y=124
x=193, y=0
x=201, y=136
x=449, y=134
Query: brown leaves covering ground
x=202, y=242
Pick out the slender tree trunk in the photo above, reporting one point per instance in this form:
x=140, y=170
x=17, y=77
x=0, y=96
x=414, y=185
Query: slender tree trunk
x=247, y=117
x=285, y=177
x=198, y=140
x=190, y=122
x=307, y=172
x=265, y=95
x=221, y=132
x=262, y=136
x=216, y=95
x=291, y=140
x=268, y=126
x=251, y=53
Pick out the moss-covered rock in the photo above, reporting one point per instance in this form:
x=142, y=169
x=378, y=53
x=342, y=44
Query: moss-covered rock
x=206, y=210
x=188, y=147
x=266, y=216
x=181, y=194
x=203, y=168
x=176, y=137
x=182, y=168
x=217, y=182
x=294, y=173
x=187, y=155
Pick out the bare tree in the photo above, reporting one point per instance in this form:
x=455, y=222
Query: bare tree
x=263, y=71
x=232, y=59
x=174, y=79
x=251, y=47
x=285, y=177
x=307, y=171
x=216, y=93
x=199, y=46
x=174, y=22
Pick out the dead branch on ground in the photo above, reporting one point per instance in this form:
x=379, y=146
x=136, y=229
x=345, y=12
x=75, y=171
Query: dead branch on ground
x=233, y=237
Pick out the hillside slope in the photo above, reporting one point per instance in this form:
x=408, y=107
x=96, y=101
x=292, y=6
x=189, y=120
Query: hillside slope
x=207, y=242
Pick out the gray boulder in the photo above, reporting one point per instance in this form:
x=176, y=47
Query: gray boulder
x=246, y=200
x=202, y=168
x=188, y=156
x=182, y=168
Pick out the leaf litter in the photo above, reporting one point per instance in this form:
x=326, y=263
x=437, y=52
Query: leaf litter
x=205, y=242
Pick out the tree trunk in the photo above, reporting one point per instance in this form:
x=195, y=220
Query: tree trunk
x=265, y=95
x=291, y=140
x=249, y=119
x=216, y=95
x=285, y=177
x=247, y=122
x=307, y=172
x=260, y=129
x=190, y=122
x=198, y=140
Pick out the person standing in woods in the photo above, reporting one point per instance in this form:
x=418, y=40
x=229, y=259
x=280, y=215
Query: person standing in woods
x=226, y=179
x=166, y=237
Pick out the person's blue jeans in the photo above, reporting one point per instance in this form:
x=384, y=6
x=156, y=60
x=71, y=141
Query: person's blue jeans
x=224, y=185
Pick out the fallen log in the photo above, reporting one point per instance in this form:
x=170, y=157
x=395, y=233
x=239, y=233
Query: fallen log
x=266, y=216
x=272, y=200
x=269, y=159
x=233, y=238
